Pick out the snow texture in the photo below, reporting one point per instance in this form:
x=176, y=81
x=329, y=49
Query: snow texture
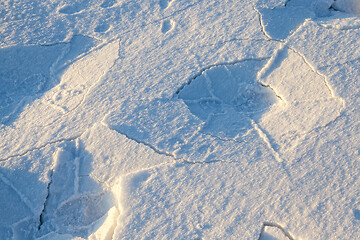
x=174, y=119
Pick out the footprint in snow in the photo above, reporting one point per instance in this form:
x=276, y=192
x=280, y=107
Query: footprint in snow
x=165, y=3
x=108, y=3
x=356, y=214
x=72, y=9
x=103, y=27
x=166, y=26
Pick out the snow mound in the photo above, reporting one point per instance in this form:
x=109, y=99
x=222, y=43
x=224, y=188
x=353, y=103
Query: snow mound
x=349, y=6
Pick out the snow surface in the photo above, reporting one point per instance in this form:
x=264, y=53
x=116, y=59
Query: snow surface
x=174, y=119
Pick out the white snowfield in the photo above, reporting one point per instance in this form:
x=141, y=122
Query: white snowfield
x=179, y=119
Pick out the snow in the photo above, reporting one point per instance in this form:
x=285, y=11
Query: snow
x=173, y=119
x=349, y=6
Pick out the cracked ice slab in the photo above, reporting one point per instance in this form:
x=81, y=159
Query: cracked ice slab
x=308, y=101
x=169, y=129
x=158, y=69
x=24, y=182
x=197, y=40
x=80, y=199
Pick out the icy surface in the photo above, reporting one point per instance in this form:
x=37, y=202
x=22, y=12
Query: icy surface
x=174, y=119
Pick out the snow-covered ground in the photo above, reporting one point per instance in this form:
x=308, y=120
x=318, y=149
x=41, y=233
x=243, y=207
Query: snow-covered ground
x=180, y=119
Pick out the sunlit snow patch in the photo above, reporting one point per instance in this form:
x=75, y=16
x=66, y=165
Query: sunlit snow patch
x=310, y=101
x=341, y=23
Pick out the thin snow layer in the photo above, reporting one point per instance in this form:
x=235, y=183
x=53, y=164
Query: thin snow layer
x=174, y=119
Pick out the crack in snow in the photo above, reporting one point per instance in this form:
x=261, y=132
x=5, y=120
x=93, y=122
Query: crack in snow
x=220, y=138
x=263, y=30
x=44, y=145
x=223, y=42
x=275, y=225
x=177, y=159
x=287, y=2
x=67, y=42
x=213, y=66
x=266, y=140
x=41, y=218
x=141, y=142
x=314, y=70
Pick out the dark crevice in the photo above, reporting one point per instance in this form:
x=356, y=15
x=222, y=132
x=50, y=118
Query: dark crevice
x=41, y=219
x=272, y=89
x=287, y=2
